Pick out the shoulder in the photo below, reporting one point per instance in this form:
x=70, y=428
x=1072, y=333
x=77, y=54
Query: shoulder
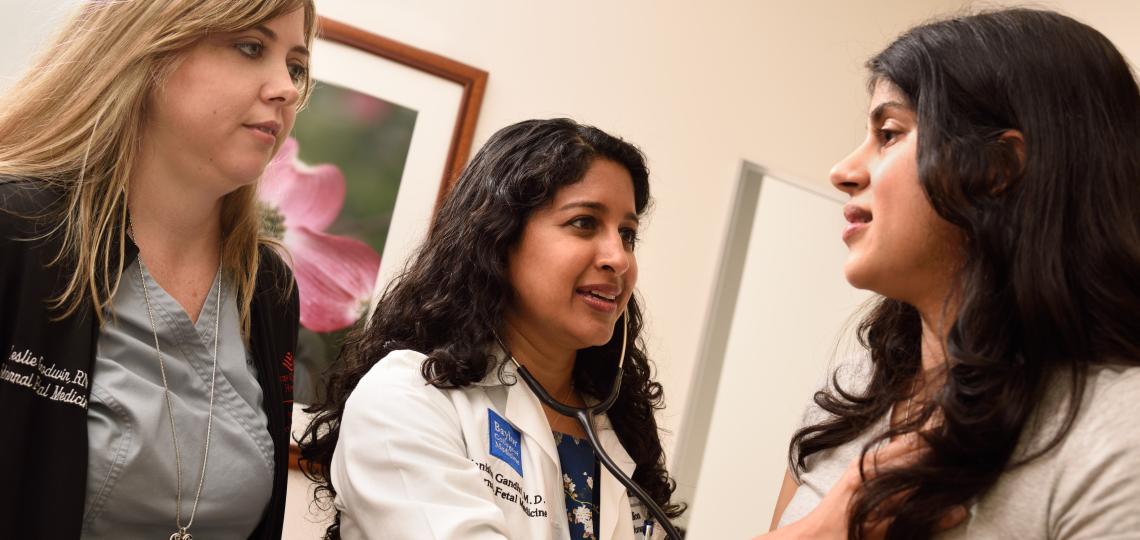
x=1094, y=473
x=20, y=193
x=1115, y=386
x=1107, y=418
x=274, y=277
x=28, y=216
x=851, y=374
x=397, y=374
x=395, y=393
x=270, y=259
x=397, y=368
x=1104, y=418
x=26, y=206
x=1104, y=424
x=271, y=267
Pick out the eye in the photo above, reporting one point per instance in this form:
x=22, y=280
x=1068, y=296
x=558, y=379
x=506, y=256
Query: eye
x=585, y=223
x=251, y=49
x=887, y=136
x=629, y=237
x=298, y=73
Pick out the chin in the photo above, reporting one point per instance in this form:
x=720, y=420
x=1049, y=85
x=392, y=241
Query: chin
x=244, y=169
x=233, y=186
x=596, y=337
x=858, y=275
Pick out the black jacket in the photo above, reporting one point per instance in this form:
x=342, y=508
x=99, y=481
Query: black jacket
x=46, y=369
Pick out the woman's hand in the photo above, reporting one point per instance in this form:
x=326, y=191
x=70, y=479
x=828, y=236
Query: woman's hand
x=829, y=519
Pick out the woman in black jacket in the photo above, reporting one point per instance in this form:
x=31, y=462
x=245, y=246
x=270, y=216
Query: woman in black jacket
x=147, y=328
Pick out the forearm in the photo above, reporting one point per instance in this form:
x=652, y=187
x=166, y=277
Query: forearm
x=801, y=529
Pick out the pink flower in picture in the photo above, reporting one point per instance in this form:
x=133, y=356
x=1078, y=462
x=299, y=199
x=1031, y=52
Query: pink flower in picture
x=367, y=109
x=335, y=274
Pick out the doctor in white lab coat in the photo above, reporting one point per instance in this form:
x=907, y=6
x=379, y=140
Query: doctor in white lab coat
x=427, y=431
x=441, y=463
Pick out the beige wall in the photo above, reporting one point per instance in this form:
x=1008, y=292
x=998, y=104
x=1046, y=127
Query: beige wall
x=698, y=85
x=25, y=27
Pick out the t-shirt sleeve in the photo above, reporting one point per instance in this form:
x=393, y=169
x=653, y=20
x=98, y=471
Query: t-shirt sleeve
x=1098, y=489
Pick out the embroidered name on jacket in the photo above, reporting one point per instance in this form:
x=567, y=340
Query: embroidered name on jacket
x=24, y=368
x=507, y=489
x=506, y=441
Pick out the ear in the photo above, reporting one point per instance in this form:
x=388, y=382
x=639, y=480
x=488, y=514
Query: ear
x=1009, y=165
x=1016, y=142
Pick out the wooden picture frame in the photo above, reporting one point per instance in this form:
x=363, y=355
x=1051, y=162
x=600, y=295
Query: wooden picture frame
x=447, y=96
x=472, y=80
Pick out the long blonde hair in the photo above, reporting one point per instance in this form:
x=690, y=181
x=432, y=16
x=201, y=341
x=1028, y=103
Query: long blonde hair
x=75, y=120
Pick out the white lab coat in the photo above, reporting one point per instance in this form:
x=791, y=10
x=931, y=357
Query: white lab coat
x=414, y=461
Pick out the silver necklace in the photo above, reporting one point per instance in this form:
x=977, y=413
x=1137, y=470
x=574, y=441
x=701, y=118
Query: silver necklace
x=560, y=420
x=910, y=399
x=183, y=532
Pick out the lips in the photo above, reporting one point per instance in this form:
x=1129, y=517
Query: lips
x=268, y=130
x=602, y=297
x=858, y=219
x=856, y=214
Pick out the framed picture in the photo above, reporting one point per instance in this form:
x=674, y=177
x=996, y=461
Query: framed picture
x=384, y=136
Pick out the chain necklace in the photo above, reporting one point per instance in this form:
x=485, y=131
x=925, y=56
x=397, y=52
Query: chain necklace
x=183, y=532
x=910, y=399
x=560, y=419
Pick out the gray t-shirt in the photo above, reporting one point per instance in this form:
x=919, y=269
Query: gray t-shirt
x=1087, y=487
x=131, y=478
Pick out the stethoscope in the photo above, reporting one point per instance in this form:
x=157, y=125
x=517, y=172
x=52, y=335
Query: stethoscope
x=585, y=417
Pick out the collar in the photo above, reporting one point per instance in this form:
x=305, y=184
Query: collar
x=501, y=371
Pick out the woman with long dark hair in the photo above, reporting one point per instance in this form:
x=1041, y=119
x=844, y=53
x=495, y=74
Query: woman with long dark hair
x=995, y=206
x=427, y=431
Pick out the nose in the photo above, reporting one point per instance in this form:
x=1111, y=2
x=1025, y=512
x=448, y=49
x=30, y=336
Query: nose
x=850, y=174
x=280, y=89
x=613, y=255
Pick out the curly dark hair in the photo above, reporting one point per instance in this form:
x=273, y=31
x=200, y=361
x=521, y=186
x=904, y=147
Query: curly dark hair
x=1048, y=288
x=450, y=299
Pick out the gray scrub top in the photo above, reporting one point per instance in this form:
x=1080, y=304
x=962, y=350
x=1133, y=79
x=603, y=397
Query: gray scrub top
x=131, y=478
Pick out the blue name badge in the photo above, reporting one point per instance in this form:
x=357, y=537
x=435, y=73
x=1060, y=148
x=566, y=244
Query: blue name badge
x=506, y=441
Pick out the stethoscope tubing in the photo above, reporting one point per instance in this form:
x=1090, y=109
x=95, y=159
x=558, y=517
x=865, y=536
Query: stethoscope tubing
x=585, y=417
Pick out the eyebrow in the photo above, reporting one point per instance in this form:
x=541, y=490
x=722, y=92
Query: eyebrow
x=597, y=206
x=273, y=36
x=881, y=110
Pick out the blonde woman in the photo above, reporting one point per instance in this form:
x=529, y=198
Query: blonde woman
x=146, y=328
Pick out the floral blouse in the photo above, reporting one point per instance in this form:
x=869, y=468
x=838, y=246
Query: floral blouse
x=579, y=474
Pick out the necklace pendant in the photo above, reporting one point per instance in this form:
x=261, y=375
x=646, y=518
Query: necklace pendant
x=181, y=534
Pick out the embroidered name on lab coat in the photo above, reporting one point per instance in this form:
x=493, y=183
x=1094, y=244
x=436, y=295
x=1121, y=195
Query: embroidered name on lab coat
x=506, y=441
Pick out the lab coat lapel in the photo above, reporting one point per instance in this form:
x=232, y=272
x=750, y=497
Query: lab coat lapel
x=615, y=508
x=522, y=409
